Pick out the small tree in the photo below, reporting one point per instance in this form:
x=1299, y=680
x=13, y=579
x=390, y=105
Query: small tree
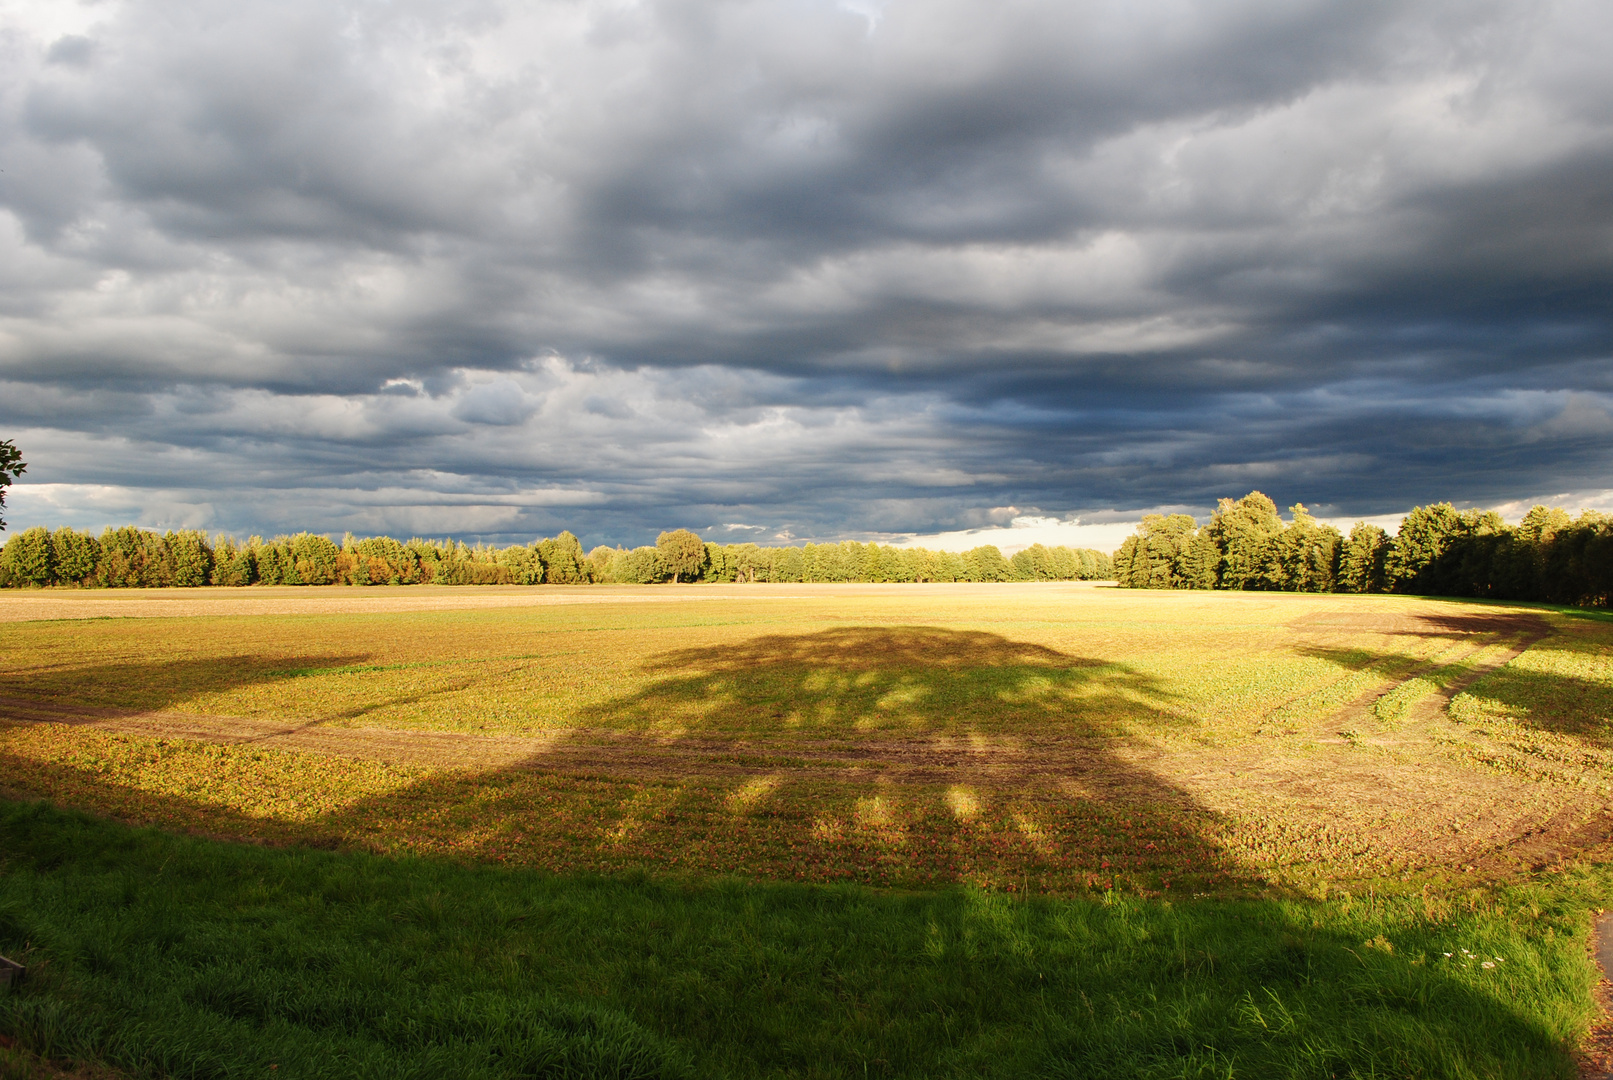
x=11, y=467
x=683, y=552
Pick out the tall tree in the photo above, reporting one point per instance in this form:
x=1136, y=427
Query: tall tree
x=683, y=552
x=1242, y=532
x=1304, y=557
x=1161, y=555
x=1361, y=561
x=1424, y=535
x=11, y=467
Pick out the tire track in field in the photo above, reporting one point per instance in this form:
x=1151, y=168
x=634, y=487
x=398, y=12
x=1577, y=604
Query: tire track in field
x=1531, y=632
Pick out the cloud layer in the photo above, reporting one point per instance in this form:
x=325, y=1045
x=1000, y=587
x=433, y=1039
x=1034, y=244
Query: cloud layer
x=823, y=269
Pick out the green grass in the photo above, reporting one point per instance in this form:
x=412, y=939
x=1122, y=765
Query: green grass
x=179, y=956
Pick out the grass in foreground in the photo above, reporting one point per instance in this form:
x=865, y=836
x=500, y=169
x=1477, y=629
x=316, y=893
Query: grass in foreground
x=167, y=955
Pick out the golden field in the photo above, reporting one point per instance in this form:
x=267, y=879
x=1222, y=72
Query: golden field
x=1028, y=737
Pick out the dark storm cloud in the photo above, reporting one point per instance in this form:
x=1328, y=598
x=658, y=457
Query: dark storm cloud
x=492, y=269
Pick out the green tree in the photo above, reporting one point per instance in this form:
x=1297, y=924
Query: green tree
x=682, y=552
x=599, y=562
x=1304, y=557
x=790, y=565
x=1242, y=531
x=646, y=566
x=133, y=558
x=314, y=557
x=986, y=563
x=11, y=467
x=1424, y=535
x=751, y=562
x=525, y=565
x=563, y=561
x=1161, y=555
x=1361, y=559
x=896, y=564
x=192, y=557
x=1034, y=563
x=720, y=565
x=232, y=564
x=28, y=557
x=75, y=555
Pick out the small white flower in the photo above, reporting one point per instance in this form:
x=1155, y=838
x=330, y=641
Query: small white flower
x=1447, y=954
x=1488, y=964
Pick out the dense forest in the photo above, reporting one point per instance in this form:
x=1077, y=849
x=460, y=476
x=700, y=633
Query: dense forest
x=1439, y=551
x=136, y=557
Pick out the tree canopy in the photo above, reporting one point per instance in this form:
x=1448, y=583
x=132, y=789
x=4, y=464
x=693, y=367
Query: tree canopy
x=1438, y=550
x=682, y=552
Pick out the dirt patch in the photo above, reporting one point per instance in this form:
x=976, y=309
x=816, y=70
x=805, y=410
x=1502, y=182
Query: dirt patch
x=1596, y=1052
x=1527, y=632
x=445, y=749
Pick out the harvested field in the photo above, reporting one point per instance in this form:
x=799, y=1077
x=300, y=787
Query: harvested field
x=1047, y=737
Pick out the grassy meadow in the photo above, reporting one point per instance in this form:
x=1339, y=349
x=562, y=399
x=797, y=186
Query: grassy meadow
x=801, y=830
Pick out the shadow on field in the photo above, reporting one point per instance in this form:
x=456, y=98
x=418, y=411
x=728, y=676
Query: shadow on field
x=867, y=679
x=161, y=684
x=909, y=756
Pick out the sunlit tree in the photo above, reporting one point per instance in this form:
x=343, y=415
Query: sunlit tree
x=683, y=553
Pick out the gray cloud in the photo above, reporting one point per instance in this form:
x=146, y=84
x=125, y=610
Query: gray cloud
x=491, y=269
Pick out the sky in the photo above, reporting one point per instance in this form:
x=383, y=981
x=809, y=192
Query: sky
x=800, y=269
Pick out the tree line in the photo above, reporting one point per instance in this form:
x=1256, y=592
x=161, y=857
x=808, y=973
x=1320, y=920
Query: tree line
x=129, y=557
x=1438, y=551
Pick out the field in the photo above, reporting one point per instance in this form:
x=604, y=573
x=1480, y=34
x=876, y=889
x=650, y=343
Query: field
x=1342, y=781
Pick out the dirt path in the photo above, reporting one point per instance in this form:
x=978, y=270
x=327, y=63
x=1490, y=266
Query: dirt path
x=1596, y=1053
